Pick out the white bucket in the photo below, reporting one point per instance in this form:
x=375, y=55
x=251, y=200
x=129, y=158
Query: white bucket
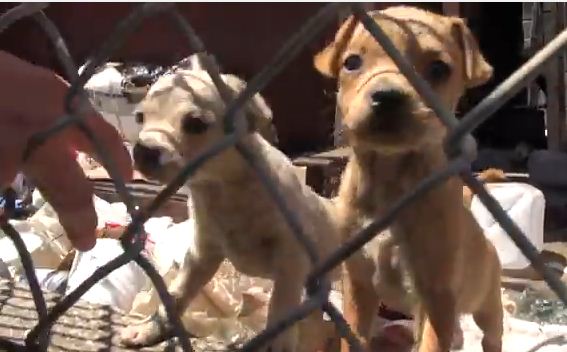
x=525, y=205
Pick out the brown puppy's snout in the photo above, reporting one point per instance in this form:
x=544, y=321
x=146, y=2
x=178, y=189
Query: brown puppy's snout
x=387, y=99
x=388, y=104
x=147, y=158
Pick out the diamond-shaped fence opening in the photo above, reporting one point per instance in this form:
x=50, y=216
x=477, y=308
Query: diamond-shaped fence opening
x=460, y=148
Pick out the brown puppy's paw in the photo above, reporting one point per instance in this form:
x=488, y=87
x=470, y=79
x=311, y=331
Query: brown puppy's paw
x=492, y=175
x=458, y=338
x=146, y=333
x=394, y=336
x=398, y=336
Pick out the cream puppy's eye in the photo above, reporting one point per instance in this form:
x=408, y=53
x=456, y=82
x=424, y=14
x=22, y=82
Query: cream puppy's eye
x=353, y=62
x=194, y=124
x=139, y=117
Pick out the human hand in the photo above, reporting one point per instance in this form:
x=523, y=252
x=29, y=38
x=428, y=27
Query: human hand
x=31, y=100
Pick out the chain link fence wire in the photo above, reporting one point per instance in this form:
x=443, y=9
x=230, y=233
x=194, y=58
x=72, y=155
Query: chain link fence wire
x=460, y=148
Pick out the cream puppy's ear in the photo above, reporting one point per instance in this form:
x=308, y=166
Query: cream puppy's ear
x=258, y=114
x=260, y=117
x=195, y=62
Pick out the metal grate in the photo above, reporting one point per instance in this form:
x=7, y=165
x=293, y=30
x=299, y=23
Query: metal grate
x=460, y=148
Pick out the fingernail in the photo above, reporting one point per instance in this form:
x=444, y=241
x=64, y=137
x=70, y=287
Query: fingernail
x=80, y=226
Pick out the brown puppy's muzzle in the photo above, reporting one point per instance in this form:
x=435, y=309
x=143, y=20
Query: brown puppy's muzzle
x=147, y=158
x=389, y=105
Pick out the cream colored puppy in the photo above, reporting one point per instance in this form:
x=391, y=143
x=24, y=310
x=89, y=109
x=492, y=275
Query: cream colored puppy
x=235, y=216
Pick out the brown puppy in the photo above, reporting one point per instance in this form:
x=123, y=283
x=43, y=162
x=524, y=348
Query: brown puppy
x=393, y=286
x=391, y=280
x=397, y=141
x=235, y=216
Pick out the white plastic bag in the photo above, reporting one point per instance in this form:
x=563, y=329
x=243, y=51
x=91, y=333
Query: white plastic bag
x=105, y=93
x=117, y=289
x=50, y=280
x=43, y=255
x=45, y=223
x=111, y=213
x=4, y=271
x=171, y=243
x=167, y=244
x=37, y=199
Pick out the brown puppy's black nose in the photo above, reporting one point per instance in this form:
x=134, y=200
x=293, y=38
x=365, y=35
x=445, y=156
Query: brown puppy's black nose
x=145, y=157
x=388, y=107
x=387, y=99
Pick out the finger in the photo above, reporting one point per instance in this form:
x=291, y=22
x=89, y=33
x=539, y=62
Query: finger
x=61, y=181
x=8, y=169
x=47, y=91
x=11, y=149
x=108, y=137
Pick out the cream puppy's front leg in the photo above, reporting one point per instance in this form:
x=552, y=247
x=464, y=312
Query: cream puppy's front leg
x=195, y=273
x=289, y=280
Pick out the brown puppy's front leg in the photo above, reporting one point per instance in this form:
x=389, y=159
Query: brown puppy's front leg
x=489, y=318
x=314, y=334
x=360, y=302
x=286, y=296
x=195, y=273
x=437, y=320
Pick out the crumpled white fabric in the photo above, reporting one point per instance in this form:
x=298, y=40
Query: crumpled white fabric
x=228, y=305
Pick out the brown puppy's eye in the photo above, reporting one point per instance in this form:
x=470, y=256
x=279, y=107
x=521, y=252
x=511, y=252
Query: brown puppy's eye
x=139, y=117
x=352, y=62
x=194, y=124
x=437, y=71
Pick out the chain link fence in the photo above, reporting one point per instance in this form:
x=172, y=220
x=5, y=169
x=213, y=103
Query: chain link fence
x=459, y=144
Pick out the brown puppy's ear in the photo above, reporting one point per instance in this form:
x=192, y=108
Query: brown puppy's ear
x=327, y=61
x=477, y=70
